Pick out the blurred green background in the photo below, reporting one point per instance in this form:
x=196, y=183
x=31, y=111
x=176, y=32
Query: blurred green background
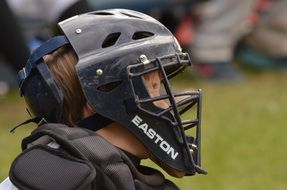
x=243, y=133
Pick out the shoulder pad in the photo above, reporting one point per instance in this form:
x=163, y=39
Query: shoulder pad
x=41, y=167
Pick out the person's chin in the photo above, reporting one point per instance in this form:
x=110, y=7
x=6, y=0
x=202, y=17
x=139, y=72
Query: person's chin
x=171, y=171
x=174, y=172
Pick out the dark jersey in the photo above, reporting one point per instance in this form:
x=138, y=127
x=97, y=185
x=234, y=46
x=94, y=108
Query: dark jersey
x=59, y=157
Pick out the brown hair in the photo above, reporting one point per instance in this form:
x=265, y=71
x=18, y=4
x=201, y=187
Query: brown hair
x=62, y=65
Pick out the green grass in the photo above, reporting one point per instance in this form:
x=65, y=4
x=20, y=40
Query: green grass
x=243, y=133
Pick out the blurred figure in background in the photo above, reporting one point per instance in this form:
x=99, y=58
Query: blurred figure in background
x=39, y=18
x=222, y=24
x=180, y=18
x=265, y=47
x=13, y=49
x=21, y=32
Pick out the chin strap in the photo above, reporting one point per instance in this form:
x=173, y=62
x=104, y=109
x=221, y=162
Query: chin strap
x=37, y=120
x=95, y=122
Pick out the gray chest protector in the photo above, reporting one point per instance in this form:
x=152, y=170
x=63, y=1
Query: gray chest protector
x=59, y=157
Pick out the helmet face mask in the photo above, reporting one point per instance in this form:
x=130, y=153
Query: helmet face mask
x=175, y=118
x=116, y=49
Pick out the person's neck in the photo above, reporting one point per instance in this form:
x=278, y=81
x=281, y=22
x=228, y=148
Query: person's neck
x=123, y=139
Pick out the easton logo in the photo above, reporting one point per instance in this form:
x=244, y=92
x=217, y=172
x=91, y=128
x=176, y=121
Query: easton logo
x=153, y=135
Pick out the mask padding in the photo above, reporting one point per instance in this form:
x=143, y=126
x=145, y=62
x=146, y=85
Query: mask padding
x=141, y=35
x=111, y=39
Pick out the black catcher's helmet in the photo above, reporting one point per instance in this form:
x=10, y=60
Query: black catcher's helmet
x=115, y=49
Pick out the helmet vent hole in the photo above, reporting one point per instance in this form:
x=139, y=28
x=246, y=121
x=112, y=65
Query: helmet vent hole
x=111, y=39
x=109, y=87
x=141, y=35
x=102, y=13
x=130, y=15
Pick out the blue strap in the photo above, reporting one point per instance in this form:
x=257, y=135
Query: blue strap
x=46, y=48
